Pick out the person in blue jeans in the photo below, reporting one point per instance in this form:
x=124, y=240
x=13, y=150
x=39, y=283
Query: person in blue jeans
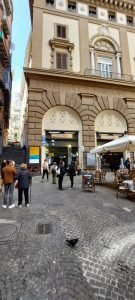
x=24, y=180
x=8, y=174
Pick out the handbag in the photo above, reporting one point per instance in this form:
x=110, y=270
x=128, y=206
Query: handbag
x=58, y=171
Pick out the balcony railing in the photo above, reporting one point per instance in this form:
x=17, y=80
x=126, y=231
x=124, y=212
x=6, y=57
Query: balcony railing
x=109, y=75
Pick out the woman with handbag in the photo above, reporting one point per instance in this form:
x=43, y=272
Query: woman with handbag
x=24, y=180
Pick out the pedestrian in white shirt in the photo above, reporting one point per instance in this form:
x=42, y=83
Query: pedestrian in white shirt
x=45, y=170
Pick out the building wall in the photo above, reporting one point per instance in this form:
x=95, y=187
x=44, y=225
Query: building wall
x=87, y=95
x=73, y=36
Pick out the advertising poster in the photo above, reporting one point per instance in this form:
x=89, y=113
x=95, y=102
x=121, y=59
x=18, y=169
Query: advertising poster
x=34, y=155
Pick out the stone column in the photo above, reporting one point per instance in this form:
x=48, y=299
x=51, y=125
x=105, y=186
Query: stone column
x=118, y=55
x=92, y=61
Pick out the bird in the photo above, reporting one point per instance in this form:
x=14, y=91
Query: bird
x=72, y=242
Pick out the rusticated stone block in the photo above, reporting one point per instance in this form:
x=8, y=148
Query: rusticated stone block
x=85, y=127
x=34, y=131
x=97, y=106
x=51, y=98
x=35, y=95
x=92, y=118
x=31, y=125
x=31, y=102
x=38, y=137
x=101, y=102
x=85, y=132
x=38, y=115
x=42, y=106
x=34, y=143
x=39, y=125
x=84, y=113
x=46, y=100
x=31, y=136
x=86, y=144
x=86, y=138
x=56, y=96
x=34, y=119
x=31, y=114
x=85, y=120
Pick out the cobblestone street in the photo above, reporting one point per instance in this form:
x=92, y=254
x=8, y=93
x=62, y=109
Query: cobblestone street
x=41, y=266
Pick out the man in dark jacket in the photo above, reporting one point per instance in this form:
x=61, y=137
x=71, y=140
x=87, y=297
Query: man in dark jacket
x=71, y=172
x=127, y=163
x=24, y=180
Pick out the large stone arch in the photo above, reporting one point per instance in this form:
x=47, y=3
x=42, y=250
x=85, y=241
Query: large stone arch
x=63, y=118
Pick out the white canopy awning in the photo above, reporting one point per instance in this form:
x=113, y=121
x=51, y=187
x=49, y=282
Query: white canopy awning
x=127, y=142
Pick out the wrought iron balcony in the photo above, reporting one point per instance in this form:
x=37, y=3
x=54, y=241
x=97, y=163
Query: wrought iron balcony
x=108, y=75
x=4, y=54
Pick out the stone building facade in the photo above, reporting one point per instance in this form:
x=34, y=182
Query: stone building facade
x=82, y=76
x=6, y=17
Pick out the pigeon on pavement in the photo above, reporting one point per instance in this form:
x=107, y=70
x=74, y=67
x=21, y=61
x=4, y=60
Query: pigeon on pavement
x=72, y=242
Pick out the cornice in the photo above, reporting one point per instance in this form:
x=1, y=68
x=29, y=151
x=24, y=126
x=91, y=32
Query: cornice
x=55, y=75
x=119, y=5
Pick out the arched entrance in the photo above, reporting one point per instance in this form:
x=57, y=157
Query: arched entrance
x=109, y=125
x=62, y=132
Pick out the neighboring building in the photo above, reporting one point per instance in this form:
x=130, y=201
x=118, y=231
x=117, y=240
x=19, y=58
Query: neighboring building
x=14, y=123
x=81, y=83
x=6, y=15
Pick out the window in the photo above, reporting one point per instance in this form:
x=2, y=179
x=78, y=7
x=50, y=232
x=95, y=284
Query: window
x=105, y=67
x=92, y=11
x=112, y=16
x=130, y=21
x=50, y=2
x=72, y=6
x=61, y=61
x=61, y=31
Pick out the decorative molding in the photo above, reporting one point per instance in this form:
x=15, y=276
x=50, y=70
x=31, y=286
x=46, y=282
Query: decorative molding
x=110, y=121
x=60, y=43
x=105, y=35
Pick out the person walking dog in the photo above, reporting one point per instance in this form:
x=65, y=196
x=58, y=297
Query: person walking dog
x=24, y=180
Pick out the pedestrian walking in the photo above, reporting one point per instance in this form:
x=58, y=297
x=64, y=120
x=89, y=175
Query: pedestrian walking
x=8, y=176
x=72, y=173
x=24, y=180
x=53, y=172
x=45, y=170
x=61, y=174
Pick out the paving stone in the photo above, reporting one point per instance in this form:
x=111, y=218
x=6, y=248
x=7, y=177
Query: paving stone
x=40, y=267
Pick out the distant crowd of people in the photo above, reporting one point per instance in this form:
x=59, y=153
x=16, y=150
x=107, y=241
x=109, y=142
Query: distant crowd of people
x=58, y=171
x=9, y=176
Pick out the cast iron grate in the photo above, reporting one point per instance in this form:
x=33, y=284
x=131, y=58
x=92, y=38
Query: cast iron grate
x=44, y=228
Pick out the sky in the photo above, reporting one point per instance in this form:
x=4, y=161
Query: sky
x=20, y=32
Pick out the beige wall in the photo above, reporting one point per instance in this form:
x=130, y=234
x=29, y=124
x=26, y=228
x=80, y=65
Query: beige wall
x=131, y=43
x=48, y=33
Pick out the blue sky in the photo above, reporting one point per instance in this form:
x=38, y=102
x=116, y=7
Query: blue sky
x=20, y=32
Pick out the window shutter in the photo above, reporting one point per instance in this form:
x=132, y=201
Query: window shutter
x=64, y=61
x=58, y=31
x=61, y=61
x=58, y=60
x=61, y=31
